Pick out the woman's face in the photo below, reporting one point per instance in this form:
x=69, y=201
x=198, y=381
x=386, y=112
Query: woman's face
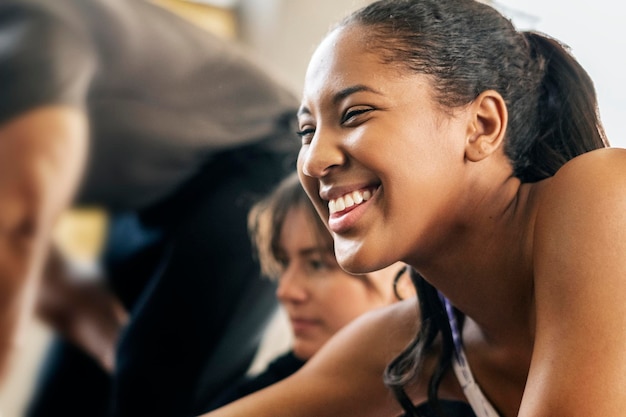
x=382, y=163
x=318, y=296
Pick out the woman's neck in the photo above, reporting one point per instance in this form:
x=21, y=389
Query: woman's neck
x=486, y=269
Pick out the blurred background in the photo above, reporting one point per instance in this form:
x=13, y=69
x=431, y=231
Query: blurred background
x=282, y=34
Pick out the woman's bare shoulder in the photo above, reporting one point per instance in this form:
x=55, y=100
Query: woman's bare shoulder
x=590, y=188
x=579, y=271
x=592, y=169
x=345, y=376
x=580, y=218
x=377, y=336
x=397, y=322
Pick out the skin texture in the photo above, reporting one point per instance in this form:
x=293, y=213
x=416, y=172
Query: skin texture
x=538, y=268
x=318, y=296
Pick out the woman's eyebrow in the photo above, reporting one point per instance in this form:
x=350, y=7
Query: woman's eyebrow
x=342, y=94
x=316, y=250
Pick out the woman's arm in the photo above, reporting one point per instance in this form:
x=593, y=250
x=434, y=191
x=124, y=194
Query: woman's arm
x=579, y=360
x=345, y=377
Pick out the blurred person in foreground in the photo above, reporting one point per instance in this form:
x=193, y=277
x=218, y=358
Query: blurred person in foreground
x=319, y=298
x=122, y=105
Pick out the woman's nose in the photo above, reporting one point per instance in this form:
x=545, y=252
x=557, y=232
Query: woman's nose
x=319, y=157
x=291, y=286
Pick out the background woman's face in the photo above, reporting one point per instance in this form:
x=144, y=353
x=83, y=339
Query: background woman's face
x=318, y=296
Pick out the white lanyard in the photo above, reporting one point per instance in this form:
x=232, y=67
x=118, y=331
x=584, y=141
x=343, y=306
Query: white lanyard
x=481, y=406
x=477, y=400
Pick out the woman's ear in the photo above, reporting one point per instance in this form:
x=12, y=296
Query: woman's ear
x=486, y=126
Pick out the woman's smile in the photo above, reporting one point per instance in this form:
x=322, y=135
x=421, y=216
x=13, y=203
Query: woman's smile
x=348, y=201
x=346, y=210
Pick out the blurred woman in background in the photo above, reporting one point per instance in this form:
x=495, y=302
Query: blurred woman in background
x=319, y=297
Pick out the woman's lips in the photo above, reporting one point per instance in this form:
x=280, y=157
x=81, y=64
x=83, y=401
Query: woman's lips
x=301, y=325
x=345, y=211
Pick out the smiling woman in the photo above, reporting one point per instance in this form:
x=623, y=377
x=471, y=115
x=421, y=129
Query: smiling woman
x=493, y=180
x=462, y=161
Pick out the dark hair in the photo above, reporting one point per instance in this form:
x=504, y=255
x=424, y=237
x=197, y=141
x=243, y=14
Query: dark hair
x=267, y=217
x=466, y=48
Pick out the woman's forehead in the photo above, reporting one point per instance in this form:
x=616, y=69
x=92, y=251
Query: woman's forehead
x=339, y=54
x=342, y=62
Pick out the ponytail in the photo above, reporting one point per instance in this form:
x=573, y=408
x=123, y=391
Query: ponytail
x=567, y=112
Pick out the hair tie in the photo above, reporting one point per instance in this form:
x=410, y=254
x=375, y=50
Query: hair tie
x=395, y=282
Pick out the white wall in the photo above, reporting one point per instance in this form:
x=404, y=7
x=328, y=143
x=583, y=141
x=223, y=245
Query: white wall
x=285, y=32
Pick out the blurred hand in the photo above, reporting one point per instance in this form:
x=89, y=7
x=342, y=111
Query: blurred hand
x=82, y=310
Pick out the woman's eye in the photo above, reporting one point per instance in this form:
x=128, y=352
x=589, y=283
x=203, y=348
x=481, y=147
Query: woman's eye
x=318, y=265
x=353, y=113
x=283, y=263
x=306, y=135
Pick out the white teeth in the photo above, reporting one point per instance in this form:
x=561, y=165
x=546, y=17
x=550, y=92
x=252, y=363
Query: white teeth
x=348, y=200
